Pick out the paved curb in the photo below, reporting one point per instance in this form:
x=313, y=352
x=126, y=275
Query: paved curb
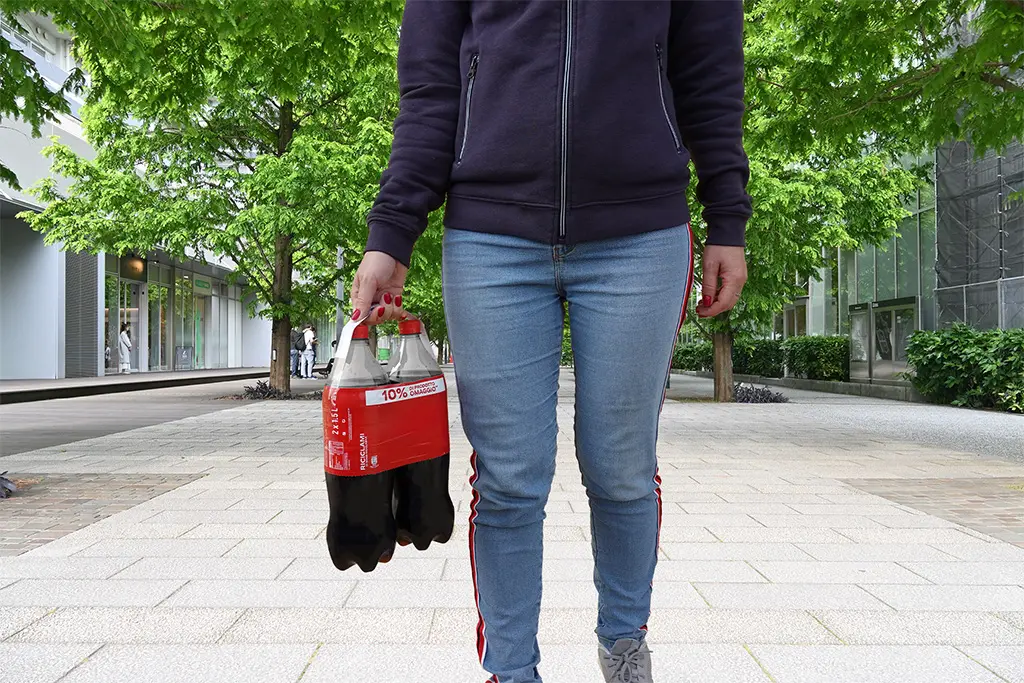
x=143, y=383
x=892, y=392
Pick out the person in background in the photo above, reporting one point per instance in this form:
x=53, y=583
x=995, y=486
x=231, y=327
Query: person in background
x=124, y=347
x=309, y=354
x=298, y=346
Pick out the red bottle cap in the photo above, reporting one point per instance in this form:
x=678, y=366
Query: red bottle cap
x=409, y=327
x=361, y=332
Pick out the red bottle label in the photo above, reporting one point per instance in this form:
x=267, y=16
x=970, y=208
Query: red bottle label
x=376, y=429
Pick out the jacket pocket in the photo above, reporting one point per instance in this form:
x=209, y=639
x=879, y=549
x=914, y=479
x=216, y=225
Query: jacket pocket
x=664, y=102
x=469, y=106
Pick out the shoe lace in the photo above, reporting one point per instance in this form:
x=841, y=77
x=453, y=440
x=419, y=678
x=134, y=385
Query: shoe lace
x=628, y=667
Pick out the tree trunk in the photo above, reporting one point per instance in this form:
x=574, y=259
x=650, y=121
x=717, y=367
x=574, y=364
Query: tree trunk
x=281, y=345
x=280, y=357
x=722, y=342
x=440, y=352
x=281, y=342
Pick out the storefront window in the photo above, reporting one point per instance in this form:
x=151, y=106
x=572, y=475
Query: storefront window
x=184, y=322
x=159, y=314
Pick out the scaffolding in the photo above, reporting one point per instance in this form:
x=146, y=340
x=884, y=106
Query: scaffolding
x=979, y=236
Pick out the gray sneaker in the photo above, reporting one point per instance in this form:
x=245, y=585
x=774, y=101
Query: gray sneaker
x=628, y=662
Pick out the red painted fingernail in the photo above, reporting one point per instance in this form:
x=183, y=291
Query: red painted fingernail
x=387, y=297
x=398, y=300
x=355, y=314
x=706, y=302
x=404, y=316
x=380, y=312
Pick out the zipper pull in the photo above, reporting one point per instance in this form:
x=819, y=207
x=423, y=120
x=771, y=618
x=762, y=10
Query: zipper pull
x=472, y=66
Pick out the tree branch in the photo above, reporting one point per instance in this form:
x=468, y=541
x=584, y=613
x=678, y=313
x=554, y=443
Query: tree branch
x=1001, y=81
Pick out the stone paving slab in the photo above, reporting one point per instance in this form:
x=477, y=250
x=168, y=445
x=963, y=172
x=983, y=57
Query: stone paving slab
x=994, y=506
x=130, y=625
x=41, y=663
x=1006, y=661
x=57, y=505
x=878, y=664
x=191, y=663
x=773, y=565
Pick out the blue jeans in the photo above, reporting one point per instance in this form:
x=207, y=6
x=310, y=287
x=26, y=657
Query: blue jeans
x=308, y=358
x=504, y=303
x=295, y=362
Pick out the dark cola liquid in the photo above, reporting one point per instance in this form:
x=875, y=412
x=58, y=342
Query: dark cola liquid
x=423, y=507
x=361, y=530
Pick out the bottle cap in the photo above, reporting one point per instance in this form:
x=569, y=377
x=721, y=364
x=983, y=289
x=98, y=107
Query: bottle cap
x=409, y=327
x=361, y=332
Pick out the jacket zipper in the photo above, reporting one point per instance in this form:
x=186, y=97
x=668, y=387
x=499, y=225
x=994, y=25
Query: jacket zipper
x=469, y=104
x=664, y=106
x=565, y=123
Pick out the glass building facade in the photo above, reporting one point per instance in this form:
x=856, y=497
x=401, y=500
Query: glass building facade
x=180, y=318
x=957, y=257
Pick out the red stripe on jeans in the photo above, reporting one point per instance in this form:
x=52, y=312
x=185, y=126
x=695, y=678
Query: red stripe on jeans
x=481, y=630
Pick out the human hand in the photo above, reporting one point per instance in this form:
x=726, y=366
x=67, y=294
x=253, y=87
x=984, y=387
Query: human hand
x=378, y=285
x=729, y=265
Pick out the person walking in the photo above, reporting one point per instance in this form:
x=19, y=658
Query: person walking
x=309, y=352
x=124, y=348
x=558, y=135
x=298, y=346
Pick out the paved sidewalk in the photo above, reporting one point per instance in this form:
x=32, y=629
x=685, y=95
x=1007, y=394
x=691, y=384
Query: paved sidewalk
x=778, y=563
x=25, y=390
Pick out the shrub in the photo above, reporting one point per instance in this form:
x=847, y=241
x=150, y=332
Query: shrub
x=749, y=394
x=963, y=366
x=825, y=358
x=693, y=356
x=761, y=357
x=567, y=359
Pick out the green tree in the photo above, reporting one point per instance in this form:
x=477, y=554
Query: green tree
x=837, y=93
x=910, y=73
x=254, y=131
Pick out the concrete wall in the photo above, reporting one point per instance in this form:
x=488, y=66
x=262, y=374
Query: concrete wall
x=31, y=304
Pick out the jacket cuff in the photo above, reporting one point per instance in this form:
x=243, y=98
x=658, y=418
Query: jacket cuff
x=391, y=240
x=726, y=230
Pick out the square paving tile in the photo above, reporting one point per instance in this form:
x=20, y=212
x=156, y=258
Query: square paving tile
x=318, y=625
x=788, y=596
x=88, y=592
x=1007, y=661
x=988, y=504
x=58, y=504
x=859, y=664
x=130, y=625
x=13, y=619
x=238, y=593
x=29, y=663
x=234, y=663
x=920, y=628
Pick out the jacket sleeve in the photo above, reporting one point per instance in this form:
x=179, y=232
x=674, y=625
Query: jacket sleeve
x=705, y=70
x=423, y=150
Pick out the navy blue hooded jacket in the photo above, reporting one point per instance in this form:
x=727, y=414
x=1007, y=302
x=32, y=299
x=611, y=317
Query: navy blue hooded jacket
x=563, y=121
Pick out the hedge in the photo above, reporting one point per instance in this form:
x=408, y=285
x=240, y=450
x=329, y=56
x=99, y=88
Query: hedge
x=761, y=357
x=813, y=357
x=962, y=366
x=693, y=356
